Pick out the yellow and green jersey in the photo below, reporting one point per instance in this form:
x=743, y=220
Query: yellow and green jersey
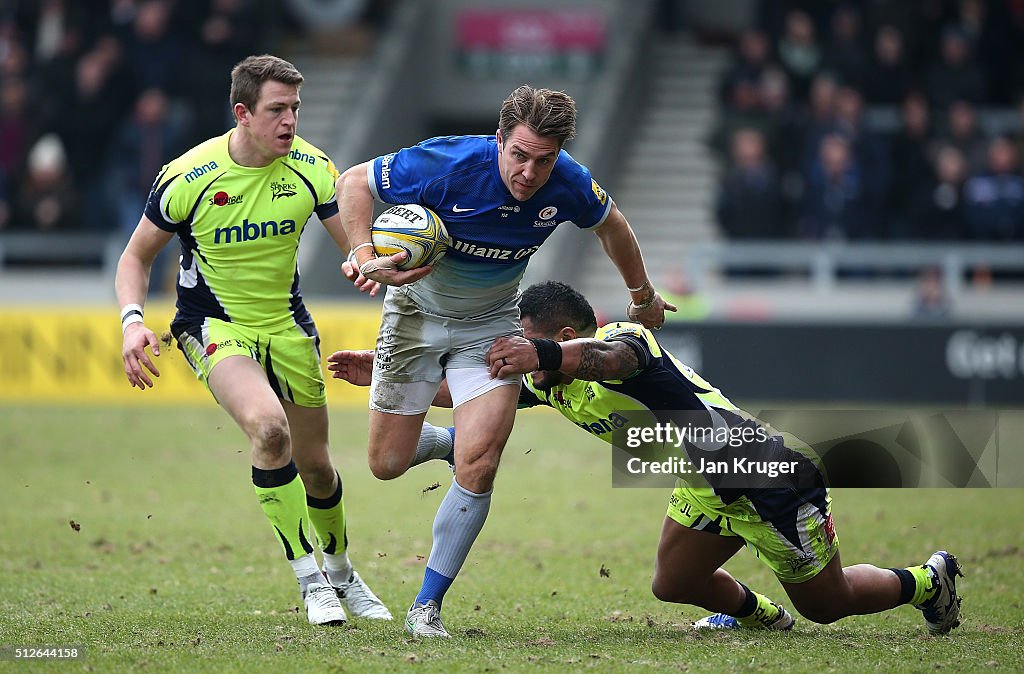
x=665, y=390
x=239, y=228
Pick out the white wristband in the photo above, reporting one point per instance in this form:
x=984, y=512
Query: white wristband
x=129, y=308
x=134, y=318
x=352, y=253
x=131, y=313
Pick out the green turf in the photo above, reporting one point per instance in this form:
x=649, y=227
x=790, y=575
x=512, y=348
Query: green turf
x=175, y=569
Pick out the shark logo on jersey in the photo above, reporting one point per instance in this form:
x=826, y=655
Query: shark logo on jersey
x=282, y=189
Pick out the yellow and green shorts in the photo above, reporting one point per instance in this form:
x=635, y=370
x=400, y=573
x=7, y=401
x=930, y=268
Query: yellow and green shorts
x=795, y=545
x=289, y=355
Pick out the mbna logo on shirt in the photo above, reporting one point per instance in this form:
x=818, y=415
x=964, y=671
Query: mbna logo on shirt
x=199, y=170
x=250, y=231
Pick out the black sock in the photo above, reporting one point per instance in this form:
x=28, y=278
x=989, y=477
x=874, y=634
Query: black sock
x=907, y=585
x=749, y=603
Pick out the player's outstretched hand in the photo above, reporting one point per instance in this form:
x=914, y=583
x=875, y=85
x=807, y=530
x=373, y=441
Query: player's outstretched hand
x=379, y=271
x=133, y=352
x=512, y=355
x=355, y=367
x=652, y=317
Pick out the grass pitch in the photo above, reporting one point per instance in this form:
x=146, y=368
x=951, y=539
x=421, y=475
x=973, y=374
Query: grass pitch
x=135, y=535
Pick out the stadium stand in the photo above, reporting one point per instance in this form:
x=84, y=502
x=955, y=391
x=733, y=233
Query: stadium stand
x=778, y=158
x=95, y=96
x=833, y=142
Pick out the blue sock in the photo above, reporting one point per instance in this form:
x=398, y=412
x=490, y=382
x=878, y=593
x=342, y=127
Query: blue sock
x=460, y=517
x=434, y=587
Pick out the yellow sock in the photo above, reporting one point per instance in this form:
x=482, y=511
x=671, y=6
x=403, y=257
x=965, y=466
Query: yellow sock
x=283, y=499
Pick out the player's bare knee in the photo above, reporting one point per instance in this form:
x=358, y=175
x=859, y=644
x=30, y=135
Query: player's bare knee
x=271, y=439
x=477, y=473
x=317, y=474
x=669, y=590
x=387, y=466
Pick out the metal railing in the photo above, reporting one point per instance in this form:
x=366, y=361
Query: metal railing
x=825, y=263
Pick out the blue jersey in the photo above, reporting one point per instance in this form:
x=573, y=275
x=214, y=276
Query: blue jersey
x=493, y=234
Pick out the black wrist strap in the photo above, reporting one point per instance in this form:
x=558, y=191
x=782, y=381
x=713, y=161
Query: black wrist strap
x=549, y=354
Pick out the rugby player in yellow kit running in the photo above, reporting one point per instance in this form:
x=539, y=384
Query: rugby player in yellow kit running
x=238, y=203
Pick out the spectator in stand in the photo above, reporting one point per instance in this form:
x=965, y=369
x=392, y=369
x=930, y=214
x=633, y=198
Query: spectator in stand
x=226, y=36
x=931, y=301
x=15, y=125
x=140, y=149
x=98, y=104
x=52, y=80
x=743, y=112
x=935, y=210
x=1014, y=24
x=47, y=200
x=994, y=200
x=890, y=77
x=870, y=151
x=750, y=202
x=845, y=53
x=153, y=51
x=821, y=117
x=752, y=58
x=51, y=22
x=912, y=170
x=963, y=132
x=842, y=112
x=783, y=123
x=956, y=75
x=834, y=206
x=799, y=52
x=986, y=28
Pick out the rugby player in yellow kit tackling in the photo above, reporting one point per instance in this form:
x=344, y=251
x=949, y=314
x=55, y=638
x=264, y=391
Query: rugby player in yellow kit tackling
x=591, y=374
x=238, y=203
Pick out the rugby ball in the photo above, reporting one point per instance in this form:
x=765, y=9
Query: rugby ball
x=412, y=228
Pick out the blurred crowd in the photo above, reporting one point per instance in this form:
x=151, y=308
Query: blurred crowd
x=95, y=95
x=880, y=119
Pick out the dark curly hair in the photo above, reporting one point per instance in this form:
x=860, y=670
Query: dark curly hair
x=552, y=305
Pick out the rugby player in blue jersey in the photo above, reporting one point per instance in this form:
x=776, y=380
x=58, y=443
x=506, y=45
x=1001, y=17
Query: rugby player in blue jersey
x=500, y=197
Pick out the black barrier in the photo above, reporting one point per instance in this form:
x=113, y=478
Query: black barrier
x=958, y=365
